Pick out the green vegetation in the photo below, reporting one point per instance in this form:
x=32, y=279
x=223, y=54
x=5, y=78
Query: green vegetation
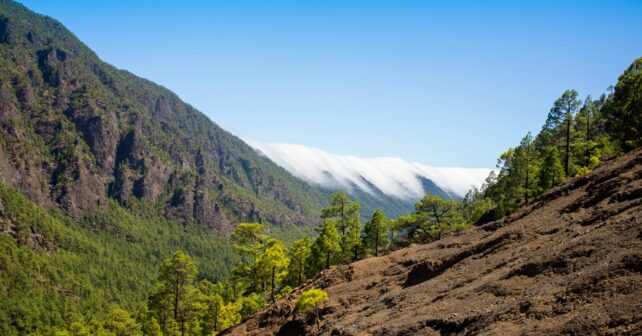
x=310, y=300
x=575, y=138
x=299, y=255
x=375, y=233
x=344, y=212
x=58, y=272
x=105, y=175
x=325, y=246
x=433, y=219
x=101, y=260
x=55, y=271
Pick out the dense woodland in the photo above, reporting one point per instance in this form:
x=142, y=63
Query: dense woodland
x=577, y=135
x=183, y=302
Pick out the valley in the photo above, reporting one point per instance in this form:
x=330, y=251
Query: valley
x=126, y=211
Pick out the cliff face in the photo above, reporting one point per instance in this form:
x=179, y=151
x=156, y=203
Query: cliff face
x=568, y=264
x=76, y=132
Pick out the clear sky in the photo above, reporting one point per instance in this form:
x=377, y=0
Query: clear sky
x=448, y=83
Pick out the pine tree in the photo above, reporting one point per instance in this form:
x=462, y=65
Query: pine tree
x=310, y=300
x=433, y=219
x=589, y=112
x=506, y=188
x=299, y=254
x=345, y=212
x=176, y=277
x=524, y=165
x=274, y=260
x=475, y=205
x=623, y=109
x=552, y=172
x=209, y=303
x=438, y=216
x=149, y=324
x=327, y=243
x=249, y=240
x=375, y=233
x=120, y=323
x=562, y=112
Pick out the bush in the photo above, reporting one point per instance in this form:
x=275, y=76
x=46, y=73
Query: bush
x=311, y=299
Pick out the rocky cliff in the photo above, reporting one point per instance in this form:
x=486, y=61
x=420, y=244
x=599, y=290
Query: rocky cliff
x=76, y=132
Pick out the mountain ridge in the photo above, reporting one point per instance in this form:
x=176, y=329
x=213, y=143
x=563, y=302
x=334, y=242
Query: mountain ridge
x=77, y=132
x=390, y=183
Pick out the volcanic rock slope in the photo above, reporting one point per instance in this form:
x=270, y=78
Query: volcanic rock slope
x=568, y=264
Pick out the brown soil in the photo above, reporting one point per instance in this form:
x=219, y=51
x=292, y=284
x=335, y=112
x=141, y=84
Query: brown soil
x=568, y=264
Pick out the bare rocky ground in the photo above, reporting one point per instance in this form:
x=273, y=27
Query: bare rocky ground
x=568, y=264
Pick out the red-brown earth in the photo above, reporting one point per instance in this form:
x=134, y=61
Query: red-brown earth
x=570, y=263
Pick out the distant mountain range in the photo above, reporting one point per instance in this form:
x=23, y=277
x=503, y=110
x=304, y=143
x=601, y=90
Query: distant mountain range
x=392, y=184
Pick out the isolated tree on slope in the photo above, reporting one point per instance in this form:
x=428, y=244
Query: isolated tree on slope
x=310, y=300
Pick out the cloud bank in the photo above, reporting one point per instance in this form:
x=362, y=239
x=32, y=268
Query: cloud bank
x=393, y=176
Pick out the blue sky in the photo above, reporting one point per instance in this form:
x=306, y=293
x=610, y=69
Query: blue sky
x=450, y=83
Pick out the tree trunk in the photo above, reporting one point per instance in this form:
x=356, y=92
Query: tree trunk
x=216, y=320
x=234, y=289
x=176, y=303
x=377, y=242
x=327, y=260
x=300, y=271
x=588, y=138
x=568, y=143
x=272, y=287
x=343, y=222
x=526, y=185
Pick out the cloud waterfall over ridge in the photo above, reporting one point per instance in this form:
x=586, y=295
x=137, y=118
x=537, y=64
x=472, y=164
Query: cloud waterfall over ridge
x=392, y=176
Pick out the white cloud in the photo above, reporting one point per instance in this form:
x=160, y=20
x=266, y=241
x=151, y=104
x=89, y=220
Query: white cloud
x=393, y=176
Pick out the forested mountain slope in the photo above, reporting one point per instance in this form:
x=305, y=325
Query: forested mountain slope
x=567, y=264
x=77, y=132
x=104, y=174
